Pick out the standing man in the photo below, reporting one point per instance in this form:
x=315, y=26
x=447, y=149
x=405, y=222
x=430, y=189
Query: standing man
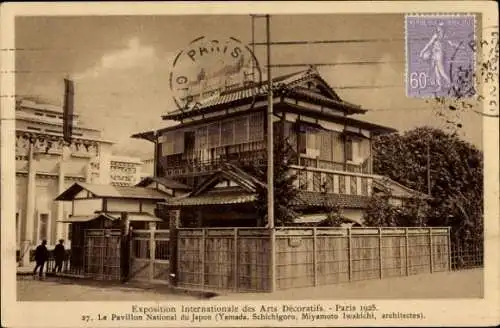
x=59, y=255
x=41, y=256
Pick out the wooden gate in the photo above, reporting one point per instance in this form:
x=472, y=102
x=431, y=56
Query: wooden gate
x=150, y=256
x=102, y=254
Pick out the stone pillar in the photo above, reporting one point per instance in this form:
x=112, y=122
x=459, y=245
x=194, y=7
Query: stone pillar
x=88, y=172
x=30, y=205
x=60, y=204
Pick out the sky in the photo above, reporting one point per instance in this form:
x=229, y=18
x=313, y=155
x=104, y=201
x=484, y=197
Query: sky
x=121, y=66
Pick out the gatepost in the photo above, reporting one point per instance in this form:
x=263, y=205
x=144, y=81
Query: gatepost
x=173, y=224
x=125, y=247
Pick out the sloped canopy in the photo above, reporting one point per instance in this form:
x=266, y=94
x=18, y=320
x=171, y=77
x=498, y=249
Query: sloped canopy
x=109, y=191
x=244, y=190
x=112, y=216
x=396, y=189
x=86, y=218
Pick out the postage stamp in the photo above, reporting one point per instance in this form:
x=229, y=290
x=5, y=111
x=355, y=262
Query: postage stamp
x=209, y=66
x=440, y=56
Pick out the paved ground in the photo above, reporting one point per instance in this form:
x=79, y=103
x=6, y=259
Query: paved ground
x=462, y=284
x=459, y=284
x=63, y=289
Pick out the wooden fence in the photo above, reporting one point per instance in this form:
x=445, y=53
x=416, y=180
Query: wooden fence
x=227, y=259
x=239, y=259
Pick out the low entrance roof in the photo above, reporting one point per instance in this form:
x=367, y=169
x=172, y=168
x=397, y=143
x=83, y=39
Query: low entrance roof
x=109, y=191
x=112, y=216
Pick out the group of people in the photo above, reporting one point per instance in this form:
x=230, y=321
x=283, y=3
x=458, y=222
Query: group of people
x=42, y=256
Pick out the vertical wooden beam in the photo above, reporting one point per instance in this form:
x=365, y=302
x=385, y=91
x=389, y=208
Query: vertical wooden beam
x=315, y=257
x=235, y=259
x=272, y=260
x=407, y=256
x=152, y=253
x=449, y=249
x=431, y=252
x=173, y=218
x=202, y=257
x=349, y=252
x=380, y=262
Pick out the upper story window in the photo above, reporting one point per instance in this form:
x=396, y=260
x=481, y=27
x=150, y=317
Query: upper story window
x=349, y=148
x=308, y=141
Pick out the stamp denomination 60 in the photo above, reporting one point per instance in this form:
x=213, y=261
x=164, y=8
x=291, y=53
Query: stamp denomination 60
x=439, y=59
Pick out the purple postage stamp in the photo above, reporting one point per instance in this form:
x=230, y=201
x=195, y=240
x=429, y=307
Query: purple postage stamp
x=440, y=56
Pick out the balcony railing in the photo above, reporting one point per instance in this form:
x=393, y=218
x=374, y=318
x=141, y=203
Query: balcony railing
x=335, y=182
x=191, y=167
x=364, y=167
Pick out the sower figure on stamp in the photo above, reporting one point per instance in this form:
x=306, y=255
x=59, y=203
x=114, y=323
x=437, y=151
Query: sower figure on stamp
x=41, y=256
x=436, y=55
x=59, y=254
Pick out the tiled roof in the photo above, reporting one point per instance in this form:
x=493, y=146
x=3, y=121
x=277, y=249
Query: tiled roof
x=218, y=198
x=304, y=199
x=309, y=198
x=169, y=183
x=101, y=190
x=139, y=217
x=289, y=81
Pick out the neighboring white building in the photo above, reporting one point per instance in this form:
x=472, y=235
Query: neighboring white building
x=46, y=166
x=125, y=171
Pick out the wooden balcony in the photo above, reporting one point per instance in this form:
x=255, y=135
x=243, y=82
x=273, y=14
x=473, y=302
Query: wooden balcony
x=191, y=164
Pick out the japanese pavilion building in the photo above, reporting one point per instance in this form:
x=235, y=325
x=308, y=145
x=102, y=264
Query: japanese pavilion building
x=206, y=148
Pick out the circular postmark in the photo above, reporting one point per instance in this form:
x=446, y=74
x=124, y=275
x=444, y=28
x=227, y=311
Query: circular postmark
x=208, y=67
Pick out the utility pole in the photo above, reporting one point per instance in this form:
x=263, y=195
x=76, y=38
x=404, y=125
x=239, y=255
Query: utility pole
x=270, y=157
x=270, y=161
x=428, y=166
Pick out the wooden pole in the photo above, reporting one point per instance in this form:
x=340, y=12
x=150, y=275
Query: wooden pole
x=235, y=259
x=407, y=256
x=152, y=253
x=428, y=168
x=270, y=159
x=315, y=257
x=202, y=271
x=380, y=263
x=449, y=249
x=349, y=252
x=431, y=251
